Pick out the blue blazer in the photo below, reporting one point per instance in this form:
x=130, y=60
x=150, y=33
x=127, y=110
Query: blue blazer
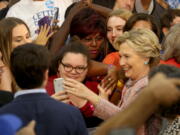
x=52, y=117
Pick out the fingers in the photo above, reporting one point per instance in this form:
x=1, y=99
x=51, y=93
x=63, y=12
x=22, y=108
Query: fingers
x=44, y=30
x=108, y=82
x=61, y=96
x=32, y=124
x=71, y=82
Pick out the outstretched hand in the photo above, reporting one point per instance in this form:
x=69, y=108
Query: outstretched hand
x=44, y=34
x=76, y=88
x=80, y=90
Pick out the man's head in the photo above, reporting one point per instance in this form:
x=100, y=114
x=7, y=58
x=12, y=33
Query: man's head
x=127, y=4
x=29, y=66
x=170, y=18
x=169, y=72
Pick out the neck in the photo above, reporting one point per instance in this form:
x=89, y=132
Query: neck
x=142, y=74
x=145, y=4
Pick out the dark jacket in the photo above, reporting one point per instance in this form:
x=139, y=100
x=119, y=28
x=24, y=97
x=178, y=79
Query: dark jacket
x=52, y=117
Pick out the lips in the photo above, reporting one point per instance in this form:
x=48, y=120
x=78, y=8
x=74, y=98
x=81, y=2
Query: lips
x=93, y=51
x=113, y=39
x=126, y=69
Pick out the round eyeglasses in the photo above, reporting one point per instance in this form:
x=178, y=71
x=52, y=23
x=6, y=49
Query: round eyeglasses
x=78, y=69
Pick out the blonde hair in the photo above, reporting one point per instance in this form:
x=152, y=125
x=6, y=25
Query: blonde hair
x=144, y=42
x=122, y=13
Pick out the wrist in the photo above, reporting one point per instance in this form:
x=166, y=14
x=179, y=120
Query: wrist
x=87, y=109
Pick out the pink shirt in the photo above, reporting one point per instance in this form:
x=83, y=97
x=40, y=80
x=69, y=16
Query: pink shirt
x=104, y=109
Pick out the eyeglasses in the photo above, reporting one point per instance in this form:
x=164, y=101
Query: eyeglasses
x=78, y=69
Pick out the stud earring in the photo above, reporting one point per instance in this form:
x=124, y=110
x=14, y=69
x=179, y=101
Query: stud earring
x=146, y=62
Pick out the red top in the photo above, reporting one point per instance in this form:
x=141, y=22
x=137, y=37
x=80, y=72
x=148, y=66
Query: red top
x=171, y=62
x=88, y=108
x=112, y=58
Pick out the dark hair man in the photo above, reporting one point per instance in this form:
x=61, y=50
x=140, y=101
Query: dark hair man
x=29, y=66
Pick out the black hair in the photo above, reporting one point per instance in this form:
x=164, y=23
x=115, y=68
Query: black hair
x=143, y=17
x=28, y=64
x=168, y=17
x=74, y=46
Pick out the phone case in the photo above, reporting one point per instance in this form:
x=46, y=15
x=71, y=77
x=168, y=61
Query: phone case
x=58, y=84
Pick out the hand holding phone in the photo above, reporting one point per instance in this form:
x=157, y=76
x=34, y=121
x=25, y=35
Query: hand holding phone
x=58, y=85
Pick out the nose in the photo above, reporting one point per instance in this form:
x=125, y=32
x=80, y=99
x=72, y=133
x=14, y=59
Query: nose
x=114, y=33
x=122, y=61
x=73, y=71
x=93, y=43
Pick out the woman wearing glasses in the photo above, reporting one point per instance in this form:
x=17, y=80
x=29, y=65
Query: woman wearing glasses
x=73, y=62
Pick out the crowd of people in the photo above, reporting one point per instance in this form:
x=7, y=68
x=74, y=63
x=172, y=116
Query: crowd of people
x=119, y=61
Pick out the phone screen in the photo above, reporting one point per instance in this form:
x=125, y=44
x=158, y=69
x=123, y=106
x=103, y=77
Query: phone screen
x=55, y=17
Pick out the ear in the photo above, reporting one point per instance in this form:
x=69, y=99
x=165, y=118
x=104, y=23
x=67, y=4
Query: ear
x=146, y=60
x=46, y=76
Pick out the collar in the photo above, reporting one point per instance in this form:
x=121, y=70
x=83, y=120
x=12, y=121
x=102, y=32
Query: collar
x=29, y=91
x=130, y=82
x=140, y=9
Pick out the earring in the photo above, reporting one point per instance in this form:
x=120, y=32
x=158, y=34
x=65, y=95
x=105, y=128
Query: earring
x=146, y=62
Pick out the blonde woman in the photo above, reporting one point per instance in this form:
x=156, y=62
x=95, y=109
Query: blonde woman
x=139, y=51
x=115, y=24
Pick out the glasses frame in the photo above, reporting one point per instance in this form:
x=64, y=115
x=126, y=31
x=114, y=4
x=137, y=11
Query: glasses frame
x=75, y=68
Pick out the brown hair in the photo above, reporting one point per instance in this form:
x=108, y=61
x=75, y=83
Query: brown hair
x=6, y=27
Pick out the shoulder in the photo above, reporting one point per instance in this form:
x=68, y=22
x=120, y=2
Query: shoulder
x=64, y=2
x=110, y=58
x=16, y=9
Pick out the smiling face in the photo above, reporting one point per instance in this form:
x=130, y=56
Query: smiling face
x=93, y=42
x=20, y=35
x=114, y=28
x=132, y=63
x=75, y=60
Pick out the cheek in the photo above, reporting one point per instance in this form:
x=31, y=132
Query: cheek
x=100, y=43
x=15, y=44
x=119, y=33
x=85, y=43
x=109, y=35
x=60, y=72
x=82, y=76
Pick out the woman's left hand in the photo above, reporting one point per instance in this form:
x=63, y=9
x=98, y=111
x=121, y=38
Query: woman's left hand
x=105, y=92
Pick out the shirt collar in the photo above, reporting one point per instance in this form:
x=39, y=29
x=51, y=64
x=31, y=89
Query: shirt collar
x=29, y=91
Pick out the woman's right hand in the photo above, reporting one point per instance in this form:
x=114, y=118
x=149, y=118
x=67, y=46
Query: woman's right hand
x=61, y=96
x=44, y=34
x=80, y=90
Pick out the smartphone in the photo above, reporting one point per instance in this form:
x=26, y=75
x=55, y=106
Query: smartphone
x=55, y=17
x=58, y=84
